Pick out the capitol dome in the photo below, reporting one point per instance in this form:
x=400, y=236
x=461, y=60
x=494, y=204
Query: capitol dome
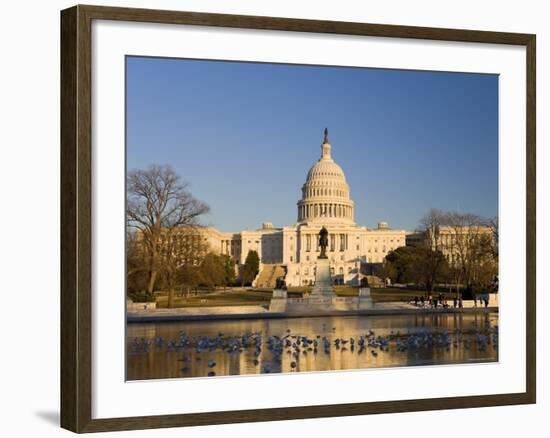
x=325, y=194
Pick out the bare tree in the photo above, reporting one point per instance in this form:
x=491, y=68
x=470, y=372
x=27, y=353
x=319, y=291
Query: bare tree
x=493, y=225
x=158, y=203
x=469, y=243
x=433, y=260
x=136, y=266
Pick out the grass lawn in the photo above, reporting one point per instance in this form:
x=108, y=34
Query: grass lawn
x=231, y=297
x=261, y=297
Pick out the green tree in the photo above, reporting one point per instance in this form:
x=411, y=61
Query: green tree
x=399, y=263
x=250, y=268
x=416, y=264
x=229, y=270
x=212, y=270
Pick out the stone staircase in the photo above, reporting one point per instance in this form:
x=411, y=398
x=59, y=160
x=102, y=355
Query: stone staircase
x=269, y=274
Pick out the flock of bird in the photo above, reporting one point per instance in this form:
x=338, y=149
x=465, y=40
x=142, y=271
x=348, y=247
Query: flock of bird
x=298, y=346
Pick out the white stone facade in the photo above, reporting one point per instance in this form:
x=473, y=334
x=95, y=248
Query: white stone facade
x=325, y=202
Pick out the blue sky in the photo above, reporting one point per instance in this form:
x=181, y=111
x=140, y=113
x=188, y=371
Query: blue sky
x=244, y=136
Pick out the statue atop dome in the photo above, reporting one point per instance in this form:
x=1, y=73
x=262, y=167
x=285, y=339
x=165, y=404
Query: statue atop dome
x=325, y=147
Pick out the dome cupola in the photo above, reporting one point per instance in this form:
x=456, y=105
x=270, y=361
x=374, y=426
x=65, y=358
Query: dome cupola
x=325, y=194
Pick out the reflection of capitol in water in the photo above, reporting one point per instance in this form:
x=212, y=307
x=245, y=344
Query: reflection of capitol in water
x=162, y=362
x=292, y=251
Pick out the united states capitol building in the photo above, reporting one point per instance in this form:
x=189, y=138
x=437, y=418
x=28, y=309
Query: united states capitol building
x=292, y=251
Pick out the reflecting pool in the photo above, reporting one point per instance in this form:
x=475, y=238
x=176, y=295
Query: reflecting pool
x=226, y=347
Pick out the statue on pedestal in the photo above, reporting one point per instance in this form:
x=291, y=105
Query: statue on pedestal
x=280, y=283
x=323, y=242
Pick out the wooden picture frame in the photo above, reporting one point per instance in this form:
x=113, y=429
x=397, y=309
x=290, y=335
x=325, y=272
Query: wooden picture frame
x=76, y=217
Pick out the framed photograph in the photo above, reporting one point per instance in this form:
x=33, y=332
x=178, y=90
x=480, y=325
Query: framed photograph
x=269, y=218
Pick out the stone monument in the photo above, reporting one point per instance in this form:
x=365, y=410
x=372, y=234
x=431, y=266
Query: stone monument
x=323, y=299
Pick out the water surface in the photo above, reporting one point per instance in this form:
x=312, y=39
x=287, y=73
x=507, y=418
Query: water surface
x=218, y=348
